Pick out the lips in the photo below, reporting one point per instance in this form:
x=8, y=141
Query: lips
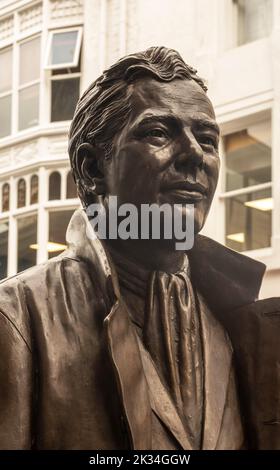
x=184, y=191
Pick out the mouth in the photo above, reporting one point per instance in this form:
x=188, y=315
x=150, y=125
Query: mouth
x=184, y=191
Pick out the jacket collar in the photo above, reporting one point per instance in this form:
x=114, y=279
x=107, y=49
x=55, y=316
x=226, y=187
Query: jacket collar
x=226, y=279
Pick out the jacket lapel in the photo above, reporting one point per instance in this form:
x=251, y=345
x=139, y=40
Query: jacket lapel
x=161, y=403
x=130, y=376
x=217, y=364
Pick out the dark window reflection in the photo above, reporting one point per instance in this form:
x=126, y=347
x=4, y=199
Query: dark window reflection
x=27, y=242
x=34, y=189
x=4, y=233
x=21, y=193
x=58, y=223
x=54, y=186
x=5, y=197
x=71, y=191
x=65, y=94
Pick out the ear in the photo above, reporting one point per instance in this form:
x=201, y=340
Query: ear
x=89, y=168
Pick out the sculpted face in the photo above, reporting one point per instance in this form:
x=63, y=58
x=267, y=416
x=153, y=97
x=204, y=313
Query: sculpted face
x=168, y=150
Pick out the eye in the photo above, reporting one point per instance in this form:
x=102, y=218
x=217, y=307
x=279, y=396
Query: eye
x=159, y=133
x=208, y=140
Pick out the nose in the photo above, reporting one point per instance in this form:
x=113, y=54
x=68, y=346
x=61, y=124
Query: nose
x=190, y=154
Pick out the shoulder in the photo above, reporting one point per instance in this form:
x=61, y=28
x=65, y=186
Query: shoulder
x=255, y=328
x=19, y=294
x=52, y=289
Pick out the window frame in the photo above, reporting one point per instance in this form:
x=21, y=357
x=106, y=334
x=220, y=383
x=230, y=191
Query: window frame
x=4, y=220
x=243, y=124
x=9, y=92
x=61, y=77
x=19, y=87
x=76, y=57
x=31, y=212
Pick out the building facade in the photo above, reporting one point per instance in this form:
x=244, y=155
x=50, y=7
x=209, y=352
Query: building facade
x=51, y=50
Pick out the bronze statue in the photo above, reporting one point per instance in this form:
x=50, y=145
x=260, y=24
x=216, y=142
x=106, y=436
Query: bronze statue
x=132, y=344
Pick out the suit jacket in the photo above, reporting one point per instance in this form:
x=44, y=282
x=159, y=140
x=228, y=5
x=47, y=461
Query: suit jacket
x=73, y=374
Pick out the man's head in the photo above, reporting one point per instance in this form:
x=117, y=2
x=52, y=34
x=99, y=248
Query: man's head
x=145, y=131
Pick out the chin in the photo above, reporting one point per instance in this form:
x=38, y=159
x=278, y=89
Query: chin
x=199, y=220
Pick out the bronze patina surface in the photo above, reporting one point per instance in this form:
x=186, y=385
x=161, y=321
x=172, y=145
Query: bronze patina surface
x=133, y=344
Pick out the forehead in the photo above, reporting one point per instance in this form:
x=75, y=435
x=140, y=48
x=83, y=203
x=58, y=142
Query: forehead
x=182, y=98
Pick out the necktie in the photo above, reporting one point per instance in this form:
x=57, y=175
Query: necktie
x=171, y=334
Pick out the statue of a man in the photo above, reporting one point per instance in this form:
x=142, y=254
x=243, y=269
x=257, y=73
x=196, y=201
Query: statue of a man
x=130, y=343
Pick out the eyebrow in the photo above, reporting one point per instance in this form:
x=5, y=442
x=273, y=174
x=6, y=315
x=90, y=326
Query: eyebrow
x=173, y=120
x=165, y=119
x=203, y=122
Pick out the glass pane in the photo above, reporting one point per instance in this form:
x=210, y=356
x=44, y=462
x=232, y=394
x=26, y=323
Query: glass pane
x=248, y=220
x=248, y=157
x=65, y=94
x=5, y=115
x=54, y=186
x=4, y=233
x=71, y=187
x=29, y=54
x=21, y=199
x=58, y=223
x=63, y=48
x=29, y=107
x=34, y=188
x=254, y=19
x=6, y=70
x=5, y=197
x=27, y=242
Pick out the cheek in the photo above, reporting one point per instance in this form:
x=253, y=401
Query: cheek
x=139, y=162
x=212, y=170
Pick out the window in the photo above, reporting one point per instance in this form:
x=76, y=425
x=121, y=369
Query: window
x=27, y=242
x=4, y=233
x=65, y=94
x=54, y=186
x=64, y=49
x=5, y=197
x=34, y=188
x=58, y=223
x=248, y=197
x=254, y=19
x=21, y=194
x=29, y=83
x=71, y=190
x=5, y=92
x=63, y=58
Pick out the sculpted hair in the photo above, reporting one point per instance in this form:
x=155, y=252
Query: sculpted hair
x=105, y=106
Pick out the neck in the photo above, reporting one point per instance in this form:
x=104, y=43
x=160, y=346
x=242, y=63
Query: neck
x=152, y=255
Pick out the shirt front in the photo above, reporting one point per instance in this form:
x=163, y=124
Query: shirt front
x=165, y=313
